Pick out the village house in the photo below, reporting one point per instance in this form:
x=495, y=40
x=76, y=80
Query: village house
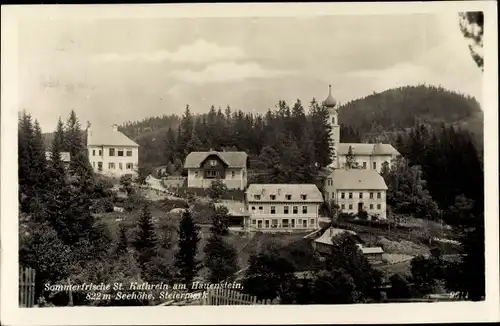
x=205, y=167
x=282, y=207
x=111, y=152
x=323, y=244
x=237, y=211
x=65, y=158
x=367, y=156
x=354, y=190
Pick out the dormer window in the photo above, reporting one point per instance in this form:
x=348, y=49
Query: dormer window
x=303, y=197
x=288, y=197
x=273, y=197
x=256, y=197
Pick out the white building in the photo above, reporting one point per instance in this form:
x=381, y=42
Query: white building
x=205, y=167
x=111, y=152
x=65, y=157
x=368, y=156
x=357, y=189
x=282, y=207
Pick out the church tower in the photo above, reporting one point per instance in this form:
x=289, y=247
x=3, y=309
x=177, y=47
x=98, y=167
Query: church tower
x=333, y=116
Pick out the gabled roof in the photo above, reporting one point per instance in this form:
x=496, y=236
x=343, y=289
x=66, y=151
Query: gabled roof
x=367, y=149
x=108, y=137
x=313, y=195
x=357, y=179
x=232, y=159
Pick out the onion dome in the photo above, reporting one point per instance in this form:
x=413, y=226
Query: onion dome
x=330, y=101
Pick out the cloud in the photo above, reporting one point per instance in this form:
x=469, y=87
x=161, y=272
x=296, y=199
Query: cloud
x=200, y=51
x=228, y=71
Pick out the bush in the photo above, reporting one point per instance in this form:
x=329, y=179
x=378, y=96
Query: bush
x=104, y=205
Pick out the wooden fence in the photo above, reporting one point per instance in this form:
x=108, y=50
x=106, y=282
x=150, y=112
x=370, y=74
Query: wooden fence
x=225, y=297
x=27, y=287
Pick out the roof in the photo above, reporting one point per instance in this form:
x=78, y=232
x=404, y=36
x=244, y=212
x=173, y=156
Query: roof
x=367, y=149
x=65, y=156
x=234, y=208
x=108, y=137
x=313, y=195
x=330, y=101
x=357, y=179
x=232, y=159
x=372, y=250
x=326, y=237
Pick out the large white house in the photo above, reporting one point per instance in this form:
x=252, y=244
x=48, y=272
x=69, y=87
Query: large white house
x=354, y=190
x=111, y=152
x=282, y=207
x=368, y=156
x=205, y=167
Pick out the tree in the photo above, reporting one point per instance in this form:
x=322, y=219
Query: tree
x=400, y=287
x=122, y=245
x=269, y=276
x=145, y=242
x=424, y=274
x=220, y=221
x=126, y=182
x=472, y=27
x=170, y=145
x=220, y=258
x=323, y=143
x=350, y=160
x=334, y=287
x=185, y=257
x=217, y=190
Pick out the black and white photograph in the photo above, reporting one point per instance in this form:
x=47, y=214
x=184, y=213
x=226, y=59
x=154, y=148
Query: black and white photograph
x=327, y=159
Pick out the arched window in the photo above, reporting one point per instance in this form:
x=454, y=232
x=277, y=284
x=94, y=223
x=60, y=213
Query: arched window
x=333, y=120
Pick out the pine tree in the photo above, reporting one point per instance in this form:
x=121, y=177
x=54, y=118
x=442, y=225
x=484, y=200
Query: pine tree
x=220, y=221
x=350, y=160
x=122, y=245
x=170, y=145
x=25, y=154
x=185, y=257
x=322, y=133
x=220, y=258
x=145, y=242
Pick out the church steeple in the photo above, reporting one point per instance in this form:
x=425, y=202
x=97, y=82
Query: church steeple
x=331, y=104
x=330, y=101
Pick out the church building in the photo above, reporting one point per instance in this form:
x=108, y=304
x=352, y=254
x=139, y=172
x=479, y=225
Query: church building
x=367, y=156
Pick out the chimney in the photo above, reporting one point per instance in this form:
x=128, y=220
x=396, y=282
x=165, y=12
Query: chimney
x=115, y=127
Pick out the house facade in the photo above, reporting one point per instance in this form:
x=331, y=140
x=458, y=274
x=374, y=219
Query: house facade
x=65, y=158
x=112, y=153
x=205, y=167
x=282, y=207
x=367, y=156
x=354, y=190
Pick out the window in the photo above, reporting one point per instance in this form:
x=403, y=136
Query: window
x=120, y=152
x=333, y=120
x=213, y=162
x=253, y=221
x=267, y=223
x=303, y=197
x=233, y=174
x=371, y=206
x=360, y=195
x=99, y=166
x=342, y=195
x=304, y=209
x=253, y=208
x=111, y=165
x=330, y=182
x=374, y=165
x=350, y=206
x=120, y=166
x=350, y=195
x=288, y=197
x=260, y=208
x=100, y=152
x=211, y=174
x=111, y=152
x=273, y=197
x=93, y=152
x=256, y=197
x=130, y=166
x=371, y=195
x=129, y=153
x=295, y=209
x=342, y=206
x=364, y=165
x=196, y=174
x=285, y=210
x=379, y=195
x=273, y=209
x=274, y=223
x=312, y=221
x=378, y=206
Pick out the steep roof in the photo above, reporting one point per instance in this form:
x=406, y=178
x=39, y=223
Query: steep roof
x=313, y=195
x=367, y=149
x=108, y=137
x=232, y=159
x=357, y=179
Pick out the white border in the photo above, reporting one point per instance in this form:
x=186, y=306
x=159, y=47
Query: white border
x=378, y=313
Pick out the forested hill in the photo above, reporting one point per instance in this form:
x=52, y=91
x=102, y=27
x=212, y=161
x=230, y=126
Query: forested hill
x=401, y=108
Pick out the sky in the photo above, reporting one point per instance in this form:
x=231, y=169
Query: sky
x=116, y=70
